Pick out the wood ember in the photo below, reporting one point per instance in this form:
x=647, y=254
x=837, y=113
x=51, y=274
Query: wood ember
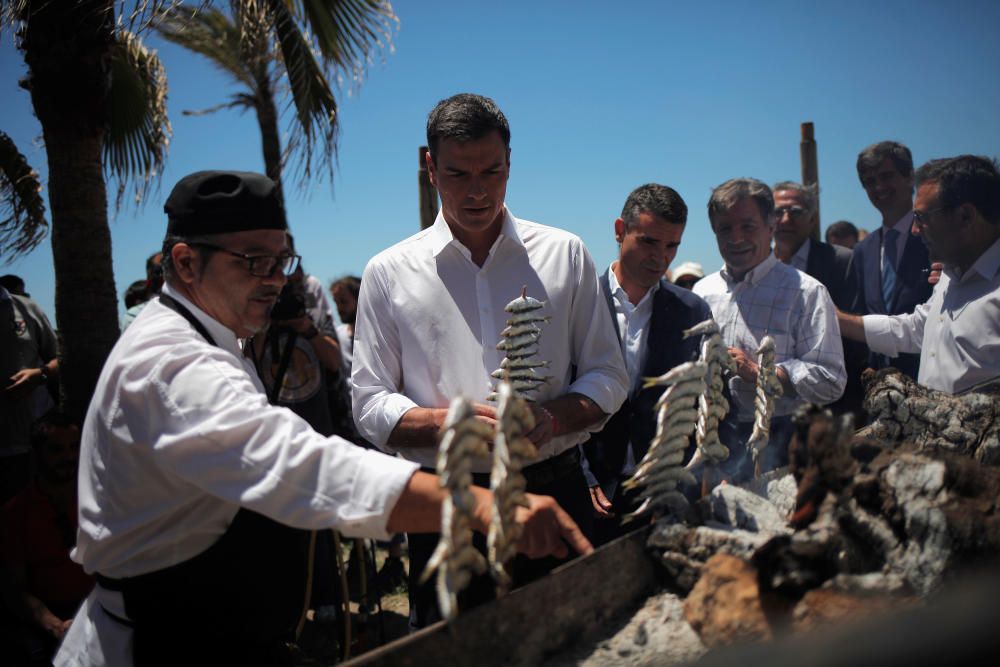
x=902, y=410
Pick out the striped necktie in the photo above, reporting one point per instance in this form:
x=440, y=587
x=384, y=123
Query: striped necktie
x=888, y=265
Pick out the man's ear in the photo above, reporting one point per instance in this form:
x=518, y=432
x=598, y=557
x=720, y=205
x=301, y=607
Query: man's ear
x=186, y=262
x=619, y=230
x=431, y=173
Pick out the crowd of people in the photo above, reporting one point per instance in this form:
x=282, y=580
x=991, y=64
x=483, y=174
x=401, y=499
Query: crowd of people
x=235, y=421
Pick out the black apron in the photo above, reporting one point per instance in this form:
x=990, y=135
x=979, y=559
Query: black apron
x=236, y=603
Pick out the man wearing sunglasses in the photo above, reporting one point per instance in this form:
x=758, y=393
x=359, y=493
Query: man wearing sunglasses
x=957, y=332
x=193, y=489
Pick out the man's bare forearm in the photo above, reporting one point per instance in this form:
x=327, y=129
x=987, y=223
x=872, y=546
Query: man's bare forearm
x=851, y=326
x=574, y=412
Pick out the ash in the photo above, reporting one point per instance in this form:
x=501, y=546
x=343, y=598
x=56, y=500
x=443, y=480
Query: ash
x=655, y=634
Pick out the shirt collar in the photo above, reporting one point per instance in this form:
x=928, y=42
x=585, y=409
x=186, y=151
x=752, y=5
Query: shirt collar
x=800, y=259
x=754, y=275
x=619, y=293
x=224, y=336
x=904, y=224
x=440, y=235
x=987, y=266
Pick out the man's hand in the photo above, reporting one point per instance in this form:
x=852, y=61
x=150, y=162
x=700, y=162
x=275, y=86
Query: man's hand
x=24, y=382
x=935, y=275
x=746, y=367
x=602, y=506
x=545, y=425
x=548, y=530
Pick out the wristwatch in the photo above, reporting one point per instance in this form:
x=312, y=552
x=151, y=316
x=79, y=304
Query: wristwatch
x=45, y=373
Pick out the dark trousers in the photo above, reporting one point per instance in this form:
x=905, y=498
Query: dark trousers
x=560, y=477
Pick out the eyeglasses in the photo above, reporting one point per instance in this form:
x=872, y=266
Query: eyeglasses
x=794, y=212
x=262, y=266
x=920, y=217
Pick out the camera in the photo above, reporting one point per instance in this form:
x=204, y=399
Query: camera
x=291, y=304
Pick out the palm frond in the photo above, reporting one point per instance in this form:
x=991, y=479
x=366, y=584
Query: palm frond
x=210, y=33
x=139, y=130
x=346, y=32
x=22, y=208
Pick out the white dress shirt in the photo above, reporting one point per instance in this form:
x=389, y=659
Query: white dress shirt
x=429, y=320
x=800, y=260
x=956, y=332
x=179, y=435
x=796, y=310
x=633, y=327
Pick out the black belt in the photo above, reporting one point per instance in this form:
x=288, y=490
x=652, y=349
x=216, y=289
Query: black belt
x=539, y=474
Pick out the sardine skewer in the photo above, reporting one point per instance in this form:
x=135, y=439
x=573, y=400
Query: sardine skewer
x=768, y=388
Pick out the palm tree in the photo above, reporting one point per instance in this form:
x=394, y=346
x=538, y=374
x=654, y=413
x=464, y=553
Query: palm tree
x=265, y=47
x=99, y=97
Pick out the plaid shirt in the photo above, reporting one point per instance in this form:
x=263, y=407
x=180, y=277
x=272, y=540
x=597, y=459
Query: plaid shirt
x=796, y=310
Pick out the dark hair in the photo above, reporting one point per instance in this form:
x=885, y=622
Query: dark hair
x=659, y=200
x=351, y=283
x=841, y=228
x=154, y=270
x=465, y=117
x=39, y=435
x=726, y=195
x=873, y=155
x=965, y=179
x=136, y=293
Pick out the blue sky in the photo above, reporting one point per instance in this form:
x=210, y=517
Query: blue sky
x=600, y=98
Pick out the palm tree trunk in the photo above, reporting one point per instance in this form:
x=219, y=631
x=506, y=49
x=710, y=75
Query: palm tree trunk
x=267, y=119
x=67, y=49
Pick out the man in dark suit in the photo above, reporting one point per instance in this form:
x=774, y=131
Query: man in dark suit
x=891, y=265
x=796, y=218
x=650, y=315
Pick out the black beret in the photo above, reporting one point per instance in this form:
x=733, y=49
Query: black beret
x=216, y=202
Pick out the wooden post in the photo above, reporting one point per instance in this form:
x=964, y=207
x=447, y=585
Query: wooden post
x=810, y=168
x=428, y=194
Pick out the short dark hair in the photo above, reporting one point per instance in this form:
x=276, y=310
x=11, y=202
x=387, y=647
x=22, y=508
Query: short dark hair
x=726, y=195
x=465, y=117
x=873, y=155
x=971, y=179
x=351, y=283
x=657, y=199
x=136, y=293
x=840, y=229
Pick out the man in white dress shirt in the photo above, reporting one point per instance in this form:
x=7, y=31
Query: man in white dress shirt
x=755, y=295
x=957, y=331
x=430, y=314
x=191, y=484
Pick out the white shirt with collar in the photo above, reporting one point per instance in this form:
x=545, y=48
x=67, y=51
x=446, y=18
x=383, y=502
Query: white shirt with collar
x=633, y=326
x=796, y=310
x=429, y=320
x=179, y=435
x=957, y=331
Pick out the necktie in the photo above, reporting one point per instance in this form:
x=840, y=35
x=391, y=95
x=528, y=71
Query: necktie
x=888, y=265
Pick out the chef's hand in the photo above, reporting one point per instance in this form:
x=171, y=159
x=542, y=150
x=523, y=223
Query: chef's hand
x=548, y=531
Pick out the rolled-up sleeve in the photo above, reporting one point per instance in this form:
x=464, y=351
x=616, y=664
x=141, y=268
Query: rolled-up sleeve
x=376, y=375
x=893, y=335
x=817, y=371
x=600, y=366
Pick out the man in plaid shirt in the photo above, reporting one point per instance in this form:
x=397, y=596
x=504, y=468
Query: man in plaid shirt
x=756, y=295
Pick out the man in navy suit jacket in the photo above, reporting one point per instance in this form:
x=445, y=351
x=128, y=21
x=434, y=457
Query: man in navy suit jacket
x=650, y=315
x=886, y=173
